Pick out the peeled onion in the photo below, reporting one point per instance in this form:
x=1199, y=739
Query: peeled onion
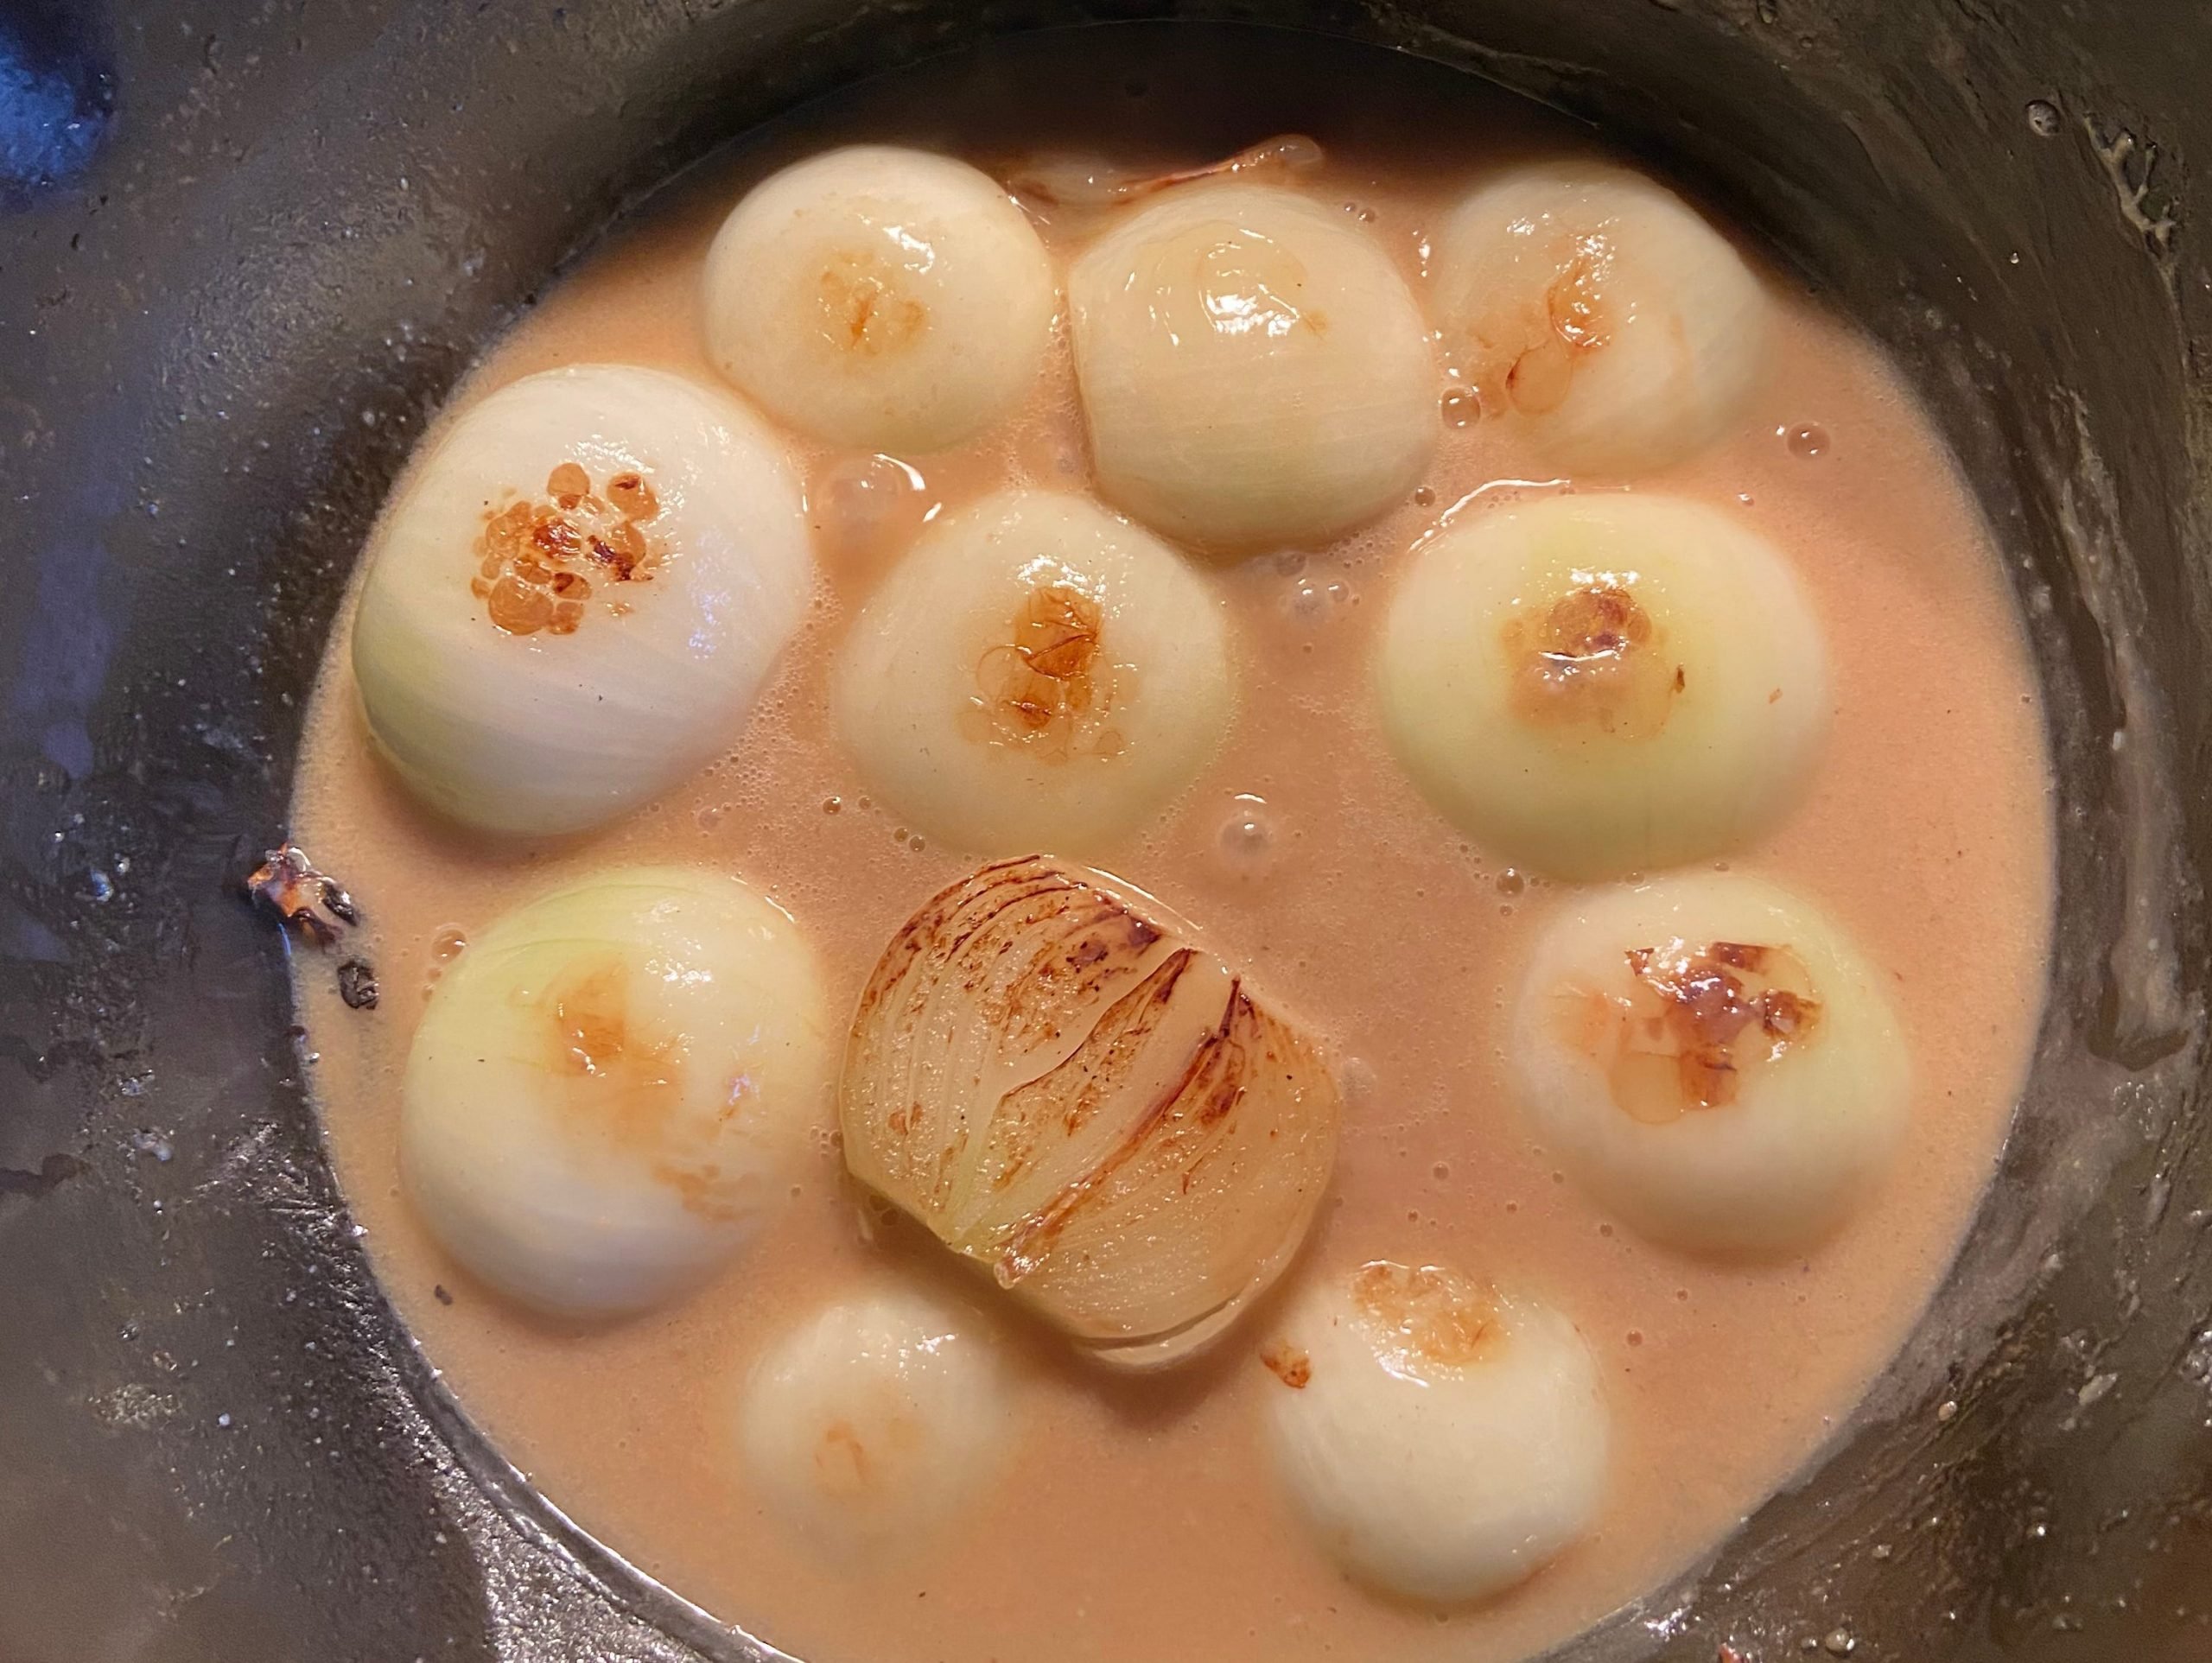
x=1048, y=1074
x=574, y=597
x=1036, y=673
x=1714, y=1060
x=608, y=1091
x=880, y=298
x=1254, y=370
x=1442, y=1439
x=1595, y=686
x=1599, y=308
x=876, y=1419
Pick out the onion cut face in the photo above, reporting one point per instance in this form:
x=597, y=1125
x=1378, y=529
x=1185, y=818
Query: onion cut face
x=1066, y=1090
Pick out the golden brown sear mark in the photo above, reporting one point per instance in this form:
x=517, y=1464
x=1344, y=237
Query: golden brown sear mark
x=841, y=1458
x=1731, y=996
x=537, y=561
x=1698, y=1018
x=1524, y=359
x=1426, y=1315
x=1541, y=379
x=1051, y=688
x=1288, y=1364
x=626, y=1087
x=1593, y=659
x=865, y=311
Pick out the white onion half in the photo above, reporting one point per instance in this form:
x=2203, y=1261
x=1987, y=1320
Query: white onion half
x=1442, y=1439
x=1597, y=306
x=1714, y=1060
x=1593, y=686
x=535, y=659
x=1047, y=1074
x=880, y=298
x=609, y=1090
x=1036, y=673
x=1253, y=369
x=872, y=1423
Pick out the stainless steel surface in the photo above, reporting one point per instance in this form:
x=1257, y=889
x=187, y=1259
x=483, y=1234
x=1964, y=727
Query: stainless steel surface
x=245, y=247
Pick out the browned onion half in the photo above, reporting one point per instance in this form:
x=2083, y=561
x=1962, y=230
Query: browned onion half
x=1048, y=1073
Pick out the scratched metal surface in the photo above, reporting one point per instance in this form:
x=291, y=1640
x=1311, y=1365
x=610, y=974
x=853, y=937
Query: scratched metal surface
x=246, y=245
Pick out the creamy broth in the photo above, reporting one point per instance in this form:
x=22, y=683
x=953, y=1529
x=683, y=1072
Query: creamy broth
x=1140, y=1518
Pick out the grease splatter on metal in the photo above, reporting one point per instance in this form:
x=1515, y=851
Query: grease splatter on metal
x=2151, y=214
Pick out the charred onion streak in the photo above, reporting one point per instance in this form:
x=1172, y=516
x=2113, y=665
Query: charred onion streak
x=312, y=902
x=1097, y=1111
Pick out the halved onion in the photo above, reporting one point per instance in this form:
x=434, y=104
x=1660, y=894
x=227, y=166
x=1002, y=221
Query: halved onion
x=1049, y=1075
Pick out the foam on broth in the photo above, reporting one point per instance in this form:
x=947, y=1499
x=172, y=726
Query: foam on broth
x=1141, y=1520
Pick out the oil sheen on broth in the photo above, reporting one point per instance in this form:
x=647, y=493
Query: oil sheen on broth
x=1344, y=842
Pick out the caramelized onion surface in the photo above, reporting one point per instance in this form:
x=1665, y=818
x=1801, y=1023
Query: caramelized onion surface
x=1050, y=1074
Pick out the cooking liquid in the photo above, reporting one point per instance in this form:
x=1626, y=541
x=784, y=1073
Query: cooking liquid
x=1140, y=1519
